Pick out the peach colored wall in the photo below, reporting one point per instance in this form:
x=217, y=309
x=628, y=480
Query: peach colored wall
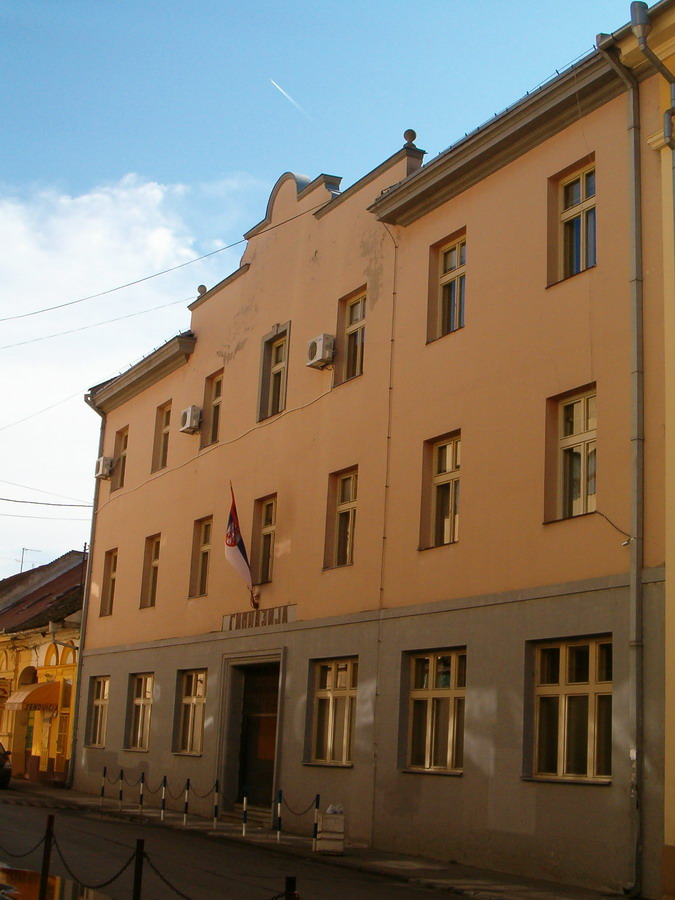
x=523, y=343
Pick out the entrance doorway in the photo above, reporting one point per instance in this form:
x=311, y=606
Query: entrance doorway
x=258, y=733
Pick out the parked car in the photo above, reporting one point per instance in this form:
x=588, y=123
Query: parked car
x=5, y=767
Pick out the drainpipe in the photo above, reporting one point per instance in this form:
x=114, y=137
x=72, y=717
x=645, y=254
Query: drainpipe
x=85, y=603
x=636, y=602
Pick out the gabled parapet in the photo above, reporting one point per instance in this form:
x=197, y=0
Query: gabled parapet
x=294, y=194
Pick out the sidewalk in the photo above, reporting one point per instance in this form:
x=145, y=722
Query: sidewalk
x=457, y=880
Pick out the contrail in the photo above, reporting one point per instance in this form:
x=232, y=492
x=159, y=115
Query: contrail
x=288, y=97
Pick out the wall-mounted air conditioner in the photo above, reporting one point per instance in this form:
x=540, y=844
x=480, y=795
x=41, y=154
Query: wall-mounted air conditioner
x=320, y=351
x=104, y=467
x=190, y=419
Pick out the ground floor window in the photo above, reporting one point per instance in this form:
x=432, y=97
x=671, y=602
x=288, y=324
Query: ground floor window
x=334, y=710
x=436, y=710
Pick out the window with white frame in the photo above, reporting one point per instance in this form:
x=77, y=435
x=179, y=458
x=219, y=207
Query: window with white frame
x=273, y=372
x=150, y=571
x=213, y=395
x=436, y=711
x=354, y=337
x=445, y=491
x=108, y=583
x=334, y=710
x=341, y=519
x=160, y=449
x=573, y=709
x=192, y=703
x=452, y=287
x=120, y=459
x=577, y=425
x=99, y=691
x=577, y=222
x=265, y=524
x=201, y=557
x=140, y=708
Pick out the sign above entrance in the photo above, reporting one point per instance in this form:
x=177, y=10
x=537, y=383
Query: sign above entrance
x=258, y=618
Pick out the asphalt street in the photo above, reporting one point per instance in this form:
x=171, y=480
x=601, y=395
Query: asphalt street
x=196, y=865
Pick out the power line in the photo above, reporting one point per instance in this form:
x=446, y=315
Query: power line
x=32, y=416
x=43, y=502
x=39, y=490
x=46, y=518
x=46, y=337
x=121, y=287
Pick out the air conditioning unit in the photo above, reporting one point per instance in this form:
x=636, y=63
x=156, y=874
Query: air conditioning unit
x=104, y=467
x=320, y=351
x=190, y=419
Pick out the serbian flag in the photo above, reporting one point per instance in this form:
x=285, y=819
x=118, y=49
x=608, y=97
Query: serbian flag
x=235, y=551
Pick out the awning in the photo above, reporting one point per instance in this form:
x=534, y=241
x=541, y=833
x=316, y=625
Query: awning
x=43, y=697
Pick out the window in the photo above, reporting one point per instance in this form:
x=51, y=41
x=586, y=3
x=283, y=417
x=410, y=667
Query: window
x=160, y=450
x=452, y=281
x=109, y=582
x=573, y=709
x=150, y=571
x=577, y=423
x=436, y=712
x=201, y=554
x=577, y=222
x=355, y=337
x=273, y=372
x=213, y=394
x=99, y=690
x=445, y=491
x=141, y=707
x=265, y=523
x=334, y=710
x=120, y=459
x=192, y=700
x=341, y=522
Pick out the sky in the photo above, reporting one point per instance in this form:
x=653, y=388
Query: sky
x=138, y=137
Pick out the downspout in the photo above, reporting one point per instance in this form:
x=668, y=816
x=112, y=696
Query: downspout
x=636, y=600
x=88, y=399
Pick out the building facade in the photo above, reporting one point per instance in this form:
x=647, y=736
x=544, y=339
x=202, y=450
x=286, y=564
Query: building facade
x=40, y=615
x=464, y=670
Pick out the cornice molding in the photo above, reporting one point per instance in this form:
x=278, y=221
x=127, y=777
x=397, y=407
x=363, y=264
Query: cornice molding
x=534, y=119
x=169, y=357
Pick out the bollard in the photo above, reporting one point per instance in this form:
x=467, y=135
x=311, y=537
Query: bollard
x=121, y=786
x=216, y=798
x=138, y=869
x=315, y=832
x=185, y=804
x=289, y=889
x=140, y=793
x=244, y=812
x=279, y=799
x=163, y=807
x=46, y=857
x=103, y=777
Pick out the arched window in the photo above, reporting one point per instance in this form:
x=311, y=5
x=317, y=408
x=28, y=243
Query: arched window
x=52, y=657
x=68, y=656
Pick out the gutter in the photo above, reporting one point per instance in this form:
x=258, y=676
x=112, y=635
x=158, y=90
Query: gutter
x=607, y=48
x=89, y=400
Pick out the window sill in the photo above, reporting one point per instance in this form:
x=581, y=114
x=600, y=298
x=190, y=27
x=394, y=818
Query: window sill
x=337, y=383
x=136, y=749
x=555, y=779
x=436, y=546
x=328, y=765
x=573, y=275
x=438, y=337
x=334, y=567
x=94, y=746
x=186, y=753
x=569, y=518
x=408, y=770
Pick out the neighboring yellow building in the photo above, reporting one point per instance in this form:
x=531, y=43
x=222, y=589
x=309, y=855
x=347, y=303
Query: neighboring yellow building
x=40, y=613
x=478, y=680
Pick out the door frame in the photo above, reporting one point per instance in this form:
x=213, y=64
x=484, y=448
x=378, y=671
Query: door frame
x=232, y=700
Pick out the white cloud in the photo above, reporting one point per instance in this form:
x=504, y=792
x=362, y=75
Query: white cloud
x=58, y=248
